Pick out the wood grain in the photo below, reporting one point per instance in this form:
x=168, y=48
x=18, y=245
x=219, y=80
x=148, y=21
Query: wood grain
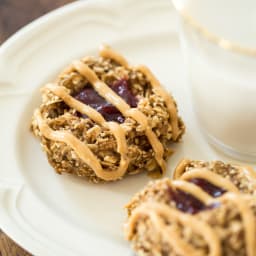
x=14, y=14
x=10, y=248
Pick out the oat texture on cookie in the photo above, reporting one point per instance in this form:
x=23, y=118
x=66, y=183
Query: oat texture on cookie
x=103, y=119
x=209, y=209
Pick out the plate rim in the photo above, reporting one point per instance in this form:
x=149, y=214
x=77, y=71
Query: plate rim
x=9, y=229
x=16, y=233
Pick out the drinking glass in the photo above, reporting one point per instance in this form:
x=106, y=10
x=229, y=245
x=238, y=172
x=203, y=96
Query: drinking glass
x=218, y=40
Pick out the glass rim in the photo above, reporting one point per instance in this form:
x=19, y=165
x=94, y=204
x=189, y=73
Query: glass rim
x=212, y=37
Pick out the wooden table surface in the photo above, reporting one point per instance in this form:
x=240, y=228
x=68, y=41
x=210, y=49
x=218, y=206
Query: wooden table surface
x=14, y=14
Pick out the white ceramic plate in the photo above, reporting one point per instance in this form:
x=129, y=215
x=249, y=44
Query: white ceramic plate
x=55, y=215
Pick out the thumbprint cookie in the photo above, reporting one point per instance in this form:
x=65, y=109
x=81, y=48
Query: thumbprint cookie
x=209, y=209
x=225, y=226
x=102, y=119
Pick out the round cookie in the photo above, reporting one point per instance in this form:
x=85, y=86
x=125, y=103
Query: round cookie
x=103, y=119
x=226, y=227
x=207, y=210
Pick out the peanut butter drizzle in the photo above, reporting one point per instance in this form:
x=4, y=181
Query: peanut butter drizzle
x=180, y=169
x=63, y=94
x=215, y=179
x=171, y=236
x=246, y=212
x=79, y=147
x=192, y=189
x=247, y=218
x=211, y=177
x=107, y=52
x=116, y=129
x=107, y=93
x=166, y=96
x=159, y=211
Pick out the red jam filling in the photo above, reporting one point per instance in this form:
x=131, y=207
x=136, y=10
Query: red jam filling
x=185, y=202
x=90, y=97
x=209, y=188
